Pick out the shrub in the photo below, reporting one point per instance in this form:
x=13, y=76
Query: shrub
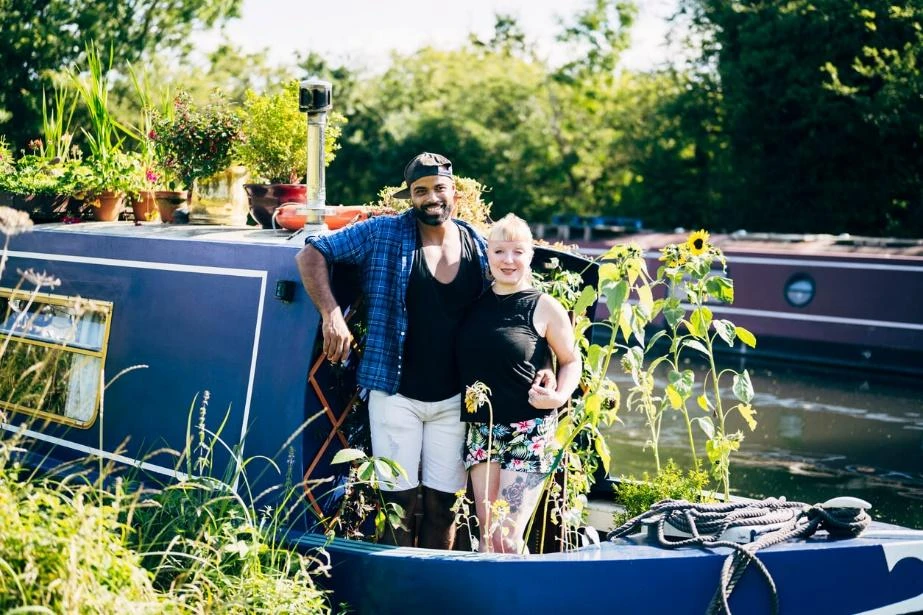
x=275, y=142
x=668, y=484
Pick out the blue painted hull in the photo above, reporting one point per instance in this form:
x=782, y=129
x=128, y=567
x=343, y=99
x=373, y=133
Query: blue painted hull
x=631, y=576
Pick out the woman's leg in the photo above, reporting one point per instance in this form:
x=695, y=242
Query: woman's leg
x=521, y=490
x=485, y=493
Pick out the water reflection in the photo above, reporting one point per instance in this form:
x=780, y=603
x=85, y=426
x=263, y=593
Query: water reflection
x=820, y=435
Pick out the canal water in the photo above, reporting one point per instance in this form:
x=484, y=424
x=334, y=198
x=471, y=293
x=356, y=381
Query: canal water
x=820, y=434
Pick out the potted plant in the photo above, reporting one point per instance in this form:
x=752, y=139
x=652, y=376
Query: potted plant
x=274, y=149
x=194, y=141
x=114, y=172
x=38, y=184
x=144, y=205
x=43, y=181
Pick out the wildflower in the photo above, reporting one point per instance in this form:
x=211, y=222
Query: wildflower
x=13, y=222
x=500, y=508
x=673, y=255
x=698, y=242
x=152, y=135
x=460, y=493
x=476, y=396
x=39, y=280
x=151, y=176
x=203, y=457
x=35, y=145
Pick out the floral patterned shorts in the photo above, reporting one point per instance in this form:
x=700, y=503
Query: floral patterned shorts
x=521, y=446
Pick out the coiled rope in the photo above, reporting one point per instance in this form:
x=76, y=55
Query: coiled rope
x=780, y=519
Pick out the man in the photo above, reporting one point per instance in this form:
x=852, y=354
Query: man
x=420, y=270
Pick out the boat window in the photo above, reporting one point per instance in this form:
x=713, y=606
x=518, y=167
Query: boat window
x=799, y=290
x=52, y=352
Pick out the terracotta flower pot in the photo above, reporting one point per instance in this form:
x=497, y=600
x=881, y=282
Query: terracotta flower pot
x=107, y=205
x=168, y=201
x=265, y=198
x=144, y=207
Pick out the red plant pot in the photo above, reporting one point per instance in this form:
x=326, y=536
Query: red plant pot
x=265, y=198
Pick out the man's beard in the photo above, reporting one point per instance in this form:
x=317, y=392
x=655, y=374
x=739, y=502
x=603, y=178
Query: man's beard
x=433, y=219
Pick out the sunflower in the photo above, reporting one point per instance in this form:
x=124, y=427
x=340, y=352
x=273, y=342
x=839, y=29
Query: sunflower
x=697, y=243
x=476, y=395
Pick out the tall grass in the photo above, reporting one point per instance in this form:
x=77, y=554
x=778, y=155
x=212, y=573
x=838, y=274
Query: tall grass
x=90, y=539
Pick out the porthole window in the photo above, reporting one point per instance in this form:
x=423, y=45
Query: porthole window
x=799, y=290
x=52, y=352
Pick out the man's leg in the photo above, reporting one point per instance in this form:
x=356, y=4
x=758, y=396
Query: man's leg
x=438, y=528
x=443, y=472
x=397, y=434
x=401, y=535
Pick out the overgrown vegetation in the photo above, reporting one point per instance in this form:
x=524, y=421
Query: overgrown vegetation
x=86, y=538
x=670, y=483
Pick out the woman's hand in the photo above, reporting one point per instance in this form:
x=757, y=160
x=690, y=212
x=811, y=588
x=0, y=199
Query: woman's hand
x=546, y=377
x=545, y=398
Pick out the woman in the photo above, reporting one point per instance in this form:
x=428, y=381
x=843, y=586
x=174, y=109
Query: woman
x=503, y=341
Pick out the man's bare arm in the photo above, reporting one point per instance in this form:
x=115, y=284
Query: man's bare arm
x=314, y=276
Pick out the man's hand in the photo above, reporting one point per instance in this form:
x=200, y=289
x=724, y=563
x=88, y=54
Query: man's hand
x=337, y=338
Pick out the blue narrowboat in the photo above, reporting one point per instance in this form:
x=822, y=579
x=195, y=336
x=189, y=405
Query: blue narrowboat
x=169, y=312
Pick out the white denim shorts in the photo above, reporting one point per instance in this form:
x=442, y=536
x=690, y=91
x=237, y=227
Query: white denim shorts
x=410, y=432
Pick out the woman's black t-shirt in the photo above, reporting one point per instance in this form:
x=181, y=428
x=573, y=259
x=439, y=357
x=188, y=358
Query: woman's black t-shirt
x=499, y=346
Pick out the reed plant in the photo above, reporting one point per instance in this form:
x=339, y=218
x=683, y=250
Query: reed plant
x=93, y=538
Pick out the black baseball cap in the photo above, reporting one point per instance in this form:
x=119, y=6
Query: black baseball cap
x=423, y=165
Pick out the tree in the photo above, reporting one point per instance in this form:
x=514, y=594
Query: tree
x=38, y=37
x=821, y=110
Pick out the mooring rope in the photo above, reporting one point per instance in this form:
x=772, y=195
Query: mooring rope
x=780, y=519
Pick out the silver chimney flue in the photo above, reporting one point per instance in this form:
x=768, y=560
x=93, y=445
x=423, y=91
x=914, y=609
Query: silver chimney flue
x=315, y=98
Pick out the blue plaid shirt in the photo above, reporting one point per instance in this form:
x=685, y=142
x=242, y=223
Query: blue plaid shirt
x=383, y=247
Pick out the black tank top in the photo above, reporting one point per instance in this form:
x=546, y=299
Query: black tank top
x=499, y=346
x=434, y=313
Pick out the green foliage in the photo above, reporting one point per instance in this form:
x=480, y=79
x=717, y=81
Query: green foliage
x=197, y=140
x=362, y=496
x=38, y=37
x=70, y=545
x=807, y=89
x=6, y=158
x=693, y=274
x=275, y=140
x=63, y=548
x=670, y=483
x=469, y=207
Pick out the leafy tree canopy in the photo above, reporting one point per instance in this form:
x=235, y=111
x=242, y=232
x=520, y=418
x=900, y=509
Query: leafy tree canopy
x=38, y=37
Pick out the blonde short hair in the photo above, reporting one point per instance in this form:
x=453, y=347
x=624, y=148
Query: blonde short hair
x=510, y=228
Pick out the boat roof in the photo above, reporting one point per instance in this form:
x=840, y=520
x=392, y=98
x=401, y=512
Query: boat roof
x=776, y=243
x=181, y=232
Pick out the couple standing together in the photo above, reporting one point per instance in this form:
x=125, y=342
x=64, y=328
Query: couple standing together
x=446, y=309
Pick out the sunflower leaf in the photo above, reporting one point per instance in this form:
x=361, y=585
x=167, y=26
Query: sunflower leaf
x=721, y=288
